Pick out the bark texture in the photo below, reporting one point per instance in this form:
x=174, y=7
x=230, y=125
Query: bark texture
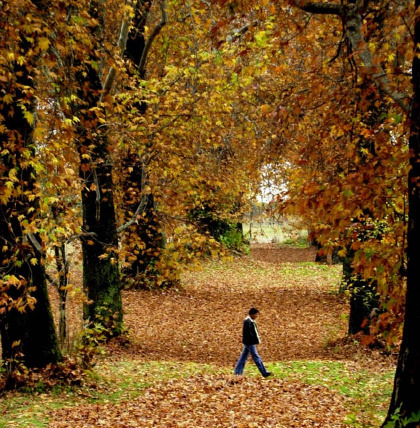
x=101, y=277
x=405, y=402
x=26, y=325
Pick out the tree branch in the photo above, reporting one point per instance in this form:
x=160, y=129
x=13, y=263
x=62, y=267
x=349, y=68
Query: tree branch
x=35, y=242
x=241, y=31
x=80, y=235
x=320, y=8
x=122, y=40
x=163, y=21
x=354, y=33
x=141, y=207
x=51, y=281
x=353, y=23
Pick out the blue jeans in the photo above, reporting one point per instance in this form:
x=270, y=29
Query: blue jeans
x=250, y=349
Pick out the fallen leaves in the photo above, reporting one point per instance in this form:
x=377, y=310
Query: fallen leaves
x=216, y=401
x=202, y=322
x=301, y=319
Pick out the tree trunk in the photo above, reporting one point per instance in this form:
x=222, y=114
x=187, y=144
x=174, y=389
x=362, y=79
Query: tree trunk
x=26, y=325
x=30, y=335
x=62, y=270
x=363, y=297
x=144, y=239
x=101, y=277
x=405, y=400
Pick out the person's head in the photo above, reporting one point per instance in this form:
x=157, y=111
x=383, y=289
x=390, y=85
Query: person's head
x=253, y=313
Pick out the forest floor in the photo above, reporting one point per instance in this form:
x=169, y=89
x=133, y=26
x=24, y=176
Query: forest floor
x=176, y=370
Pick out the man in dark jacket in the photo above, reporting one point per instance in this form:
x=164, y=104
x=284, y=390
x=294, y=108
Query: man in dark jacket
x=250, y=339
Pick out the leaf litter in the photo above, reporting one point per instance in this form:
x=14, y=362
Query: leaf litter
x=302, y=318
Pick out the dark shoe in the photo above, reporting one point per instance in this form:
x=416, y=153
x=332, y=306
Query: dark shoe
x=268, y=374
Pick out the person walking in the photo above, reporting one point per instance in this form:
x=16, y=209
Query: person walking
x=250, y=339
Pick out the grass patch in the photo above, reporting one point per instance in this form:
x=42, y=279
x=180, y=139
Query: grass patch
x=277, y=233
x=331, y=274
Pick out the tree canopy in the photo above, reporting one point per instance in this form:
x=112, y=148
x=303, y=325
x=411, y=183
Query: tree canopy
x=141, y=130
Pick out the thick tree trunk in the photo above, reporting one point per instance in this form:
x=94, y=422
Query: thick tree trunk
x=363, y=297
x=405, y=400
x=30, y=335
x=26, y=325
x=101, y=277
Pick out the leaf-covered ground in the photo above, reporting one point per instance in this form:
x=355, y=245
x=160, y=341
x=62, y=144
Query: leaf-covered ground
x=177, y=369
x=216, y=401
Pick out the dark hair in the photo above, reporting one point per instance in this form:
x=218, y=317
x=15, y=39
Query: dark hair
x=253, y=311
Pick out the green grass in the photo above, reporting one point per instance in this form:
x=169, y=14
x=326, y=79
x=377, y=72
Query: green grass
x=266, y=231
x=366, y=391
x=329, y=274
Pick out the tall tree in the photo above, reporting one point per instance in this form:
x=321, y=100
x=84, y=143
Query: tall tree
x=405, y=403
x=143, y=238
x=101, y=276
x=26, y=324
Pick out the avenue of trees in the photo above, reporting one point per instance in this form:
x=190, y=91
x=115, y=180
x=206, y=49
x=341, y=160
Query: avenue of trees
x=140, y=129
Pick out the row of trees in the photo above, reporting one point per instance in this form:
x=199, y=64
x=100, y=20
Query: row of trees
x=100, y=149
x=140, y=129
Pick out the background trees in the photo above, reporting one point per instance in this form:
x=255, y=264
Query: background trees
x=73, y=101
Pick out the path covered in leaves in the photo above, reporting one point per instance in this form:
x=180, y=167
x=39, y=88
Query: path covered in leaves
x=302, y=318
x=300, y=312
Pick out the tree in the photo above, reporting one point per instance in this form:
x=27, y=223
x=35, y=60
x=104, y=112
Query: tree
x=143, y=239
x=101, y=276
x=185, y=134
x=405, y=403
x=27, y=328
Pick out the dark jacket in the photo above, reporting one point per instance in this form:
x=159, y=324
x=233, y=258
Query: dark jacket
x=249, y=333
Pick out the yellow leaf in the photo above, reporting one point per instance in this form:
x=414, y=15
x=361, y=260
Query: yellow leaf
x=34, y=261
x=8, y=98
x=342, y=253
x=265, y=108
x=29, y=117
x=44, y=43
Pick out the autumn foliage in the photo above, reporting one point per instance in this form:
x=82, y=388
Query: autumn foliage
x=149, y=159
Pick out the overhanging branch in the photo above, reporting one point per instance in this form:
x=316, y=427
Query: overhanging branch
x=163, y=21
x=141, y=207
x=353, y=23
x=320, y=8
